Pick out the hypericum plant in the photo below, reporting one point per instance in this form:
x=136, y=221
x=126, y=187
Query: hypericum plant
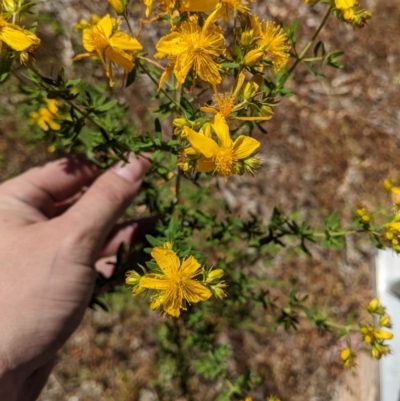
x=207, y=46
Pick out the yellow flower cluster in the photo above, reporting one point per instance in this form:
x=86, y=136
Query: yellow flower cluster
x=363, y=216
x=176, y=282
x=392, y=228
x=103, y=39
x=197, y=54
x=213, y=150
x=13, y=36
x=372, y=335
x=375, y=336
x=46, y=116
x=348, y=11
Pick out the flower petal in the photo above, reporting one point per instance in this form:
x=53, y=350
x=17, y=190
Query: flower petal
x=120, y=57
x=166, y=74
x=167, y=260
x=171, y=44
x=106, y=26
x=244, y=146
x=198, y=5
x=172, y=302
x=154, y=282
x=184, y=63
x=221, y=128
x=17, y=38
x=261, y=118
x=189, y=267
x=123, y=41
x=206, y=146
x=194, y=292
x=204, y=165
x=206, y=68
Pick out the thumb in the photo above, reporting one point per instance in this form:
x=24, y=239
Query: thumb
x=95, y=214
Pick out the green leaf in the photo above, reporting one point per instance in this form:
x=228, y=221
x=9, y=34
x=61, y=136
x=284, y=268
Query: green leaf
x=107, y=106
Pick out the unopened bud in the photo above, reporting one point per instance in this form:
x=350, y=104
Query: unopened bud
x=345, y=354
x=373, y=305
x=383, y=335
x=10, y=6
x=385, y=321
x=365, y=219
x=253, y=57
x=118, y=5
x=387, y=184
x=247, y=38
x=252, y=87
x=214, y=276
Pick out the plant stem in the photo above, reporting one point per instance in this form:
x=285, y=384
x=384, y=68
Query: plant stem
x=147, y=72
x=68, y=101
x=310, y=42
x=125, y=15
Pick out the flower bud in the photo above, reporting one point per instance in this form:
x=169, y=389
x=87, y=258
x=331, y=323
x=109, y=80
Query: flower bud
x=10, y=6
x=373, y=305
x=385, y=321
x=132, y=278
x=181, y=122
x=395, y=195
x=389, y=235
x=387, y=184
x=118, y=5
x=214, y=276
x=367, y=339
x=365, y=219
x=375, y=353
x=247, y=38
x=345, y=354
x=253, y=57
x=383, y=335
x=252, y=87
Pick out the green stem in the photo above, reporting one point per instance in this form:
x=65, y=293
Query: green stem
x=344, y=233
x=125, y=15
x=68, y=101
x=147, y=72
x=310, y=42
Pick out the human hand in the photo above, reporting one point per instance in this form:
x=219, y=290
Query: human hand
x=51, y=235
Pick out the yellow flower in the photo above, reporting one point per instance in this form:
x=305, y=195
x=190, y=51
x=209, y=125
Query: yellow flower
x=210, y=5
x=272, y=41
x=225, y=155
x=83, y=24
x=17, y=38
x=176, y=284
x=104, y=40
x=225, y=103
x=45, y=116
x=347, y=357
x=191, y=46
x=347, y=8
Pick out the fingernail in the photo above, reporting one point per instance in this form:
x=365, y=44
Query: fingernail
x=132, y=171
